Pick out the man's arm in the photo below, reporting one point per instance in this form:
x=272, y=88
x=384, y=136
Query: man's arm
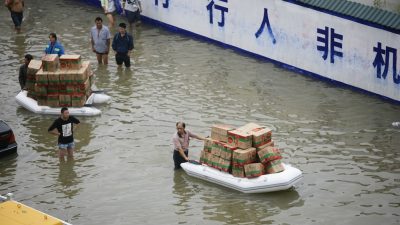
x=108, y=42
x=92, y=41
x=198, y=137
x=55, y=132
x=114, y=43
x=21, y=78
x=53, y=129
x=182, y=153
x=178, y=146
x=76, y=123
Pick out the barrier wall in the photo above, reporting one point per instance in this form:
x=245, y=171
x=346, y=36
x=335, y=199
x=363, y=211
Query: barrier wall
x=356, y=54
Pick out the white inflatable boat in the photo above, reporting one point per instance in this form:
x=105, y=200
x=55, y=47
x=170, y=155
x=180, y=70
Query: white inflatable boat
x=32, y=105
x=265, y=183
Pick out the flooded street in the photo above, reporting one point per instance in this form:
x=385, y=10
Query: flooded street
x=123, y=173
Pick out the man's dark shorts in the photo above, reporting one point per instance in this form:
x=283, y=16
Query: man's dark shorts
x=17, y=18
x=99, y=53
x=178, y=159
x=123, y=58
x=132, y=16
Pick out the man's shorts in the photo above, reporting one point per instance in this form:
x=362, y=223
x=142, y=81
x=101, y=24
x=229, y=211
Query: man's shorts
x=123, y=58
x=17, y=18
x=132, y=16
x=99, y=53
x=66, y=146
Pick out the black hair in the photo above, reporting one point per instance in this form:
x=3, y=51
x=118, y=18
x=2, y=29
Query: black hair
x=123, y=25
x=29, y=57
x=64, y=109
x=183, y=124
x=98, y=19
x=54, y=35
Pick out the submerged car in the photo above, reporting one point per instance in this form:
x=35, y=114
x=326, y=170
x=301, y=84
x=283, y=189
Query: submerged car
x=7, y=139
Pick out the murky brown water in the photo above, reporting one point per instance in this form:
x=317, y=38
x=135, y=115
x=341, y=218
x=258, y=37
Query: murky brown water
x=342, y=140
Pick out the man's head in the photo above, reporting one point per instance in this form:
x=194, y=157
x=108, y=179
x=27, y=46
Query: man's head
x=180, y=127
x=122, y=28
x=64, y=113
x=28, y=58
x=99, y=22
x=53, y=37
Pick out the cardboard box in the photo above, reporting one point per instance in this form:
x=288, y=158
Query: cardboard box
x=30, y=85
x=238, y=171
x=83, y=88
x=53, y=78
x=227, y=151
x=79, y=76
x=41, y=77
x=269, y=144
x=41, y=100
x=66, y=77
x=216, y=148
x=40, y=90
x=208, y=143
x=261, y=136
x=70, y=62
x=34, y=66
x=215, y=162
x=220, y=132
x=78, y=100
x=53, y=100
x=204, y=158
x=249, y=127
x=253, y=170
x=209, y=159
x=240, y=139
x=242, y=157
x=71, y=89
x=52, y=90
x=274, y=166
x=65, y=100
x=225, y=165
x=269, y=154
x=50, y=62
x=32, y=94
x=88, y=65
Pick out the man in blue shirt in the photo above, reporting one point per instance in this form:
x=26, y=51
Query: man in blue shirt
x=54, y=47
x=122, y=45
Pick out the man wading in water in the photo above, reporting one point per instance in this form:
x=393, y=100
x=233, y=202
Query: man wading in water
x=64, y=128
x=181, y=144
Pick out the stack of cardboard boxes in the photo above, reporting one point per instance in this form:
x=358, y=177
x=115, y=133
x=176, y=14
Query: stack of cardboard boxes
x=59, y=81
x=247, y=151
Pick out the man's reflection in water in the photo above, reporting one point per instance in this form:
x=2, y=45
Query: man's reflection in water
x=67, y=177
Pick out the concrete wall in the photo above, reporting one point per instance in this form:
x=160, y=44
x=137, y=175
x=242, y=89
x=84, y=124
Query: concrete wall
x=292, y=38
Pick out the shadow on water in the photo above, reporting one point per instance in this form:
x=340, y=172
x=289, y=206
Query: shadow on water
x=229, y=206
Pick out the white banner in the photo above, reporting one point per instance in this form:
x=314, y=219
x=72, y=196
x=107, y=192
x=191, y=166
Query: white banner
x=332, y=47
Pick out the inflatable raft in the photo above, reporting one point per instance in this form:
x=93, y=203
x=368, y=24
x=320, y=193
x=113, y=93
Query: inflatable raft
x=15, y=213
x=87, y=110
x=265, y=183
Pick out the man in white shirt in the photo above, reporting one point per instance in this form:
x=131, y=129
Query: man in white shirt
x=100, y=39
x=132, y=10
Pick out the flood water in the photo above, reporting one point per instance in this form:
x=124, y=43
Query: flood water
x=123, y=173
